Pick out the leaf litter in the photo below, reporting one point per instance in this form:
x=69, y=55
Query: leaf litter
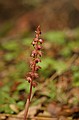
x=57, y=95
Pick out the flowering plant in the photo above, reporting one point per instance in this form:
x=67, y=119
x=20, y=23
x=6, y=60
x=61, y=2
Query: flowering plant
x=33, y=74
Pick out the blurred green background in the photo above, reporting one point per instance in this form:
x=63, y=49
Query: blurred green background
x=59, y=76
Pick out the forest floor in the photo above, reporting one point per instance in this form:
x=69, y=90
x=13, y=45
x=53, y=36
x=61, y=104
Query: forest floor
x=57, y=95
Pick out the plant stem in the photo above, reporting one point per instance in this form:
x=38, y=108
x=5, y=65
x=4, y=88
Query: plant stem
x=28, y=102
x=31, y=76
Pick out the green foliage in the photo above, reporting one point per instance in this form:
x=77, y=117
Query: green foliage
x=73, y=45
x=5, y=28
x=53, y=65
x=75, y=70
x=75, y=100
x=6, y=109
x=26, y=41
x=11, y=45
x=56, y=37
x=52, y=90
x=20, y=105
x=23, y=86
x=22, y=68
x=10, y=56
x=5, y=101
x=6, y=98
x=13, y=69
x=66, y=52
x=12, y=49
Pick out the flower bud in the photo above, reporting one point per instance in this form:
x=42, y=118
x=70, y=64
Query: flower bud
x=37, y=68
x=31, y=62
x=33, y=43
x=37, y=60
x=40, y=53
x=34, y=84
x=36, y=75
x=38, y=47
x=35, y=39
x=40, y=40
x=31, y=74
x=33, y=53
x=29, y=79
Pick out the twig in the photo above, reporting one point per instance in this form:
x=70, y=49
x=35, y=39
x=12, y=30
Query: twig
x=21, y=118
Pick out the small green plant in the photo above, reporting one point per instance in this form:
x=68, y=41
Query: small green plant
x=31, y=76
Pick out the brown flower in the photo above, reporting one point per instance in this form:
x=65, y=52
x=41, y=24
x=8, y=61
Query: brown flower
x=36, y=53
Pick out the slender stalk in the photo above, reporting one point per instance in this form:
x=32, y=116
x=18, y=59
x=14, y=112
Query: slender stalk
x=28, y=102
x=32, y=75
